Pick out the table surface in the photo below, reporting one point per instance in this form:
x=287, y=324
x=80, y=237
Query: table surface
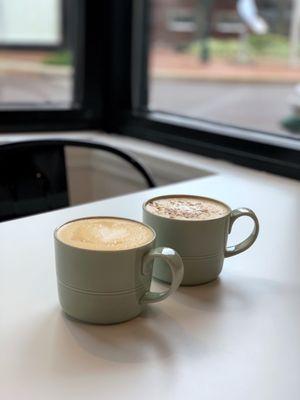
x=235, y=338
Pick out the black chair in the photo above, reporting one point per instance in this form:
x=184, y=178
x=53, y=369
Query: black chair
x=33, y=175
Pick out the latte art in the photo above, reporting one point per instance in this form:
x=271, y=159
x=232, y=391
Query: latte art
x=187, y=208
x=105, y=234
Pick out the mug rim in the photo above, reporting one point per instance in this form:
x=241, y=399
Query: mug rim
x=187, y=220
x=104, y=217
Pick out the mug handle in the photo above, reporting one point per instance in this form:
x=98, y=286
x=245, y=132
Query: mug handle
x=245, y=244
x=174, y=261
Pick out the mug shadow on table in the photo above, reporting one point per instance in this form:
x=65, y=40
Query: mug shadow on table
x=228, y=293
x=213, y=296
x=152, y=336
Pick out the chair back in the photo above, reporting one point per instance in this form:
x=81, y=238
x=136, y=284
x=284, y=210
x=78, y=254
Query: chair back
x=33, y=175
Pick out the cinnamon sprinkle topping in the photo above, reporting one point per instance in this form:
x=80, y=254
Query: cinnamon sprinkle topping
x=187, y=208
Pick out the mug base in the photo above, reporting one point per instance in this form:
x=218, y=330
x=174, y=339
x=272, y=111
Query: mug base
x=99, y=308
x=186, y=283
x=97, y=322
x=196, y=273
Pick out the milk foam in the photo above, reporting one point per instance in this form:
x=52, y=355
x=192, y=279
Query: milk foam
x=105, y=234
x=187, y=208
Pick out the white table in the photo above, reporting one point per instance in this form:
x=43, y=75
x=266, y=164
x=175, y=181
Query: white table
x=236, y=338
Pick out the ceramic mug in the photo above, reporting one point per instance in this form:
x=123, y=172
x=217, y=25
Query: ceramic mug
x=106, y=287
x=201, y=243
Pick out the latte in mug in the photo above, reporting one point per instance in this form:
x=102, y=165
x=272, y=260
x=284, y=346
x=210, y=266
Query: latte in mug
x=187, y=208
x=107, y=234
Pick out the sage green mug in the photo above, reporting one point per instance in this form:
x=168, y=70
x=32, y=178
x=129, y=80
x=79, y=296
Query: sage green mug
x=202, y=244
x=111, y=286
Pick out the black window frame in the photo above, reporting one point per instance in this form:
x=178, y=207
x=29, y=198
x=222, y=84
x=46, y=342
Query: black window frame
x=113, y=81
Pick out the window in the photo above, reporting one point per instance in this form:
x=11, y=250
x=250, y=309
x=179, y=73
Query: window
x=202, y=76
x=217, y=78
x=37, y=54
x=219, y=62
x=47, y=63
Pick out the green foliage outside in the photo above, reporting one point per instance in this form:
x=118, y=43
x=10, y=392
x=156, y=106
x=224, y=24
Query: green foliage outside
x=63, y=57
x=271, y=46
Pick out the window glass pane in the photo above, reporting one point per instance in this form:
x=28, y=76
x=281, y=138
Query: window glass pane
x=228, y=61
x=37, y=51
